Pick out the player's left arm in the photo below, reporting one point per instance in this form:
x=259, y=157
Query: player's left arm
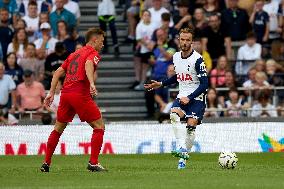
x=203, y=79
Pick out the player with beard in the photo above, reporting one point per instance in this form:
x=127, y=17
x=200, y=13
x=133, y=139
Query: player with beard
x=190, y=103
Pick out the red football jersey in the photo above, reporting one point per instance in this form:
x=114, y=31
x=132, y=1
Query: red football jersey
x=76, y=80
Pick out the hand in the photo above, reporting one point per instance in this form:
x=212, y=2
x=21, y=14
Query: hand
x=186, y=18
x=12, y=110
x=265, y=39
x=184, y=100
x=93, y=90
x=48, y=100
x=153, y=85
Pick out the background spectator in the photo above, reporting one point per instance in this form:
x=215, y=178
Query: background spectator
x=197, y=45
x=19, y=43
x=106, y=14
x=30, y=94
x=32, y=19
x=73, y=39
x=156, y=12
x=211, y=7
x=247, y=53
x=212, y=104
x=62, y=32
x=183, y=19
x=263, y=108
x=199, y=21
x=6, y=32
x=32, y=63
x=217, y=75
x=234, y=105
x=13, y=69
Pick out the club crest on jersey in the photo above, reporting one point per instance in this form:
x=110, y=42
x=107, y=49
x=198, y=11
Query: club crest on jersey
x=188, y=67
x=202, y=67
x=184, y=77
x=96, y=60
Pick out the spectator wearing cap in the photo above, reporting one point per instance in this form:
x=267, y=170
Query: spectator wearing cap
x=43, y=17
x=31, y=62
x=30, y=93
x=74, y=39
x=54, y=61
x=61, y=13
x=247, y=54
x=235, y=21
x=32, y=19
x=7, y=86
x=6, y=32
x=46, y=43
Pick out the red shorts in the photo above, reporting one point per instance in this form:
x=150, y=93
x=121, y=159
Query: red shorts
x=72, y=103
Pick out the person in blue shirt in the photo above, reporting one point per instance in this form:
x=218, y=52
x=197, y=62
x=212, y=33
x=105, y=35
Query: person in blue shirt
x=61, y=14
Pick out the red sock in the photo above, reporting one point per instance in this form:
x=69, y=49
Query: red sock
x=96, y=144
x=51, y=145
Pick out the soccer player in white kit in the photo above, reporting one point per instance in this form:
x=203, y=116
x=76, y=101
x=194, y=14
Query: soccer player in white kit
x=191, y=101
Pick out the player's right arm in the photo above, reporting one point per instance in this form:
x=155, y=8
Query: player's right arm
x=60, y=72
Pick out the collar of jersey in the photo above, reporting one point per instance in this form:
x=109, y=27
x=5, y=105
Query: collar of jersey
x=187, y=56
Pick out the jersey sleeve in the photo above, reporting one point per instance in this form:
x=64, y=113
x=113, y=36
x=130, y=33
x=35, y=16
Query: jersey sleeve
x=94, y=57
x=203, y=79
x=66, y=63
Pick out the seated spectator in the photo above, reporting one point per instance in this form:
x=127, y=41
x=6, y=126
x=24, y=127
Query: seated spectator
x=247, y=54
x=183, y=19
x=212, y=104
x=259, y=65
x=13, y=69
x=144, y=32
x=19, y=43
x=235, y=21
x=106, y=14
x=7, y=86
x=197, y=45
x=215, y=40
x=43, y=17
x=234, y=105
x=74, y=39
x=61, y=13
x=43, y=6
x=32, y=19
x=211, y=7
x=156, y=13
x=20, y=24
x=251, y=78
x=217, y=75
x=171, y=31
x=10, y=5
x=71, y=6
x=31, y=62
x=46, y=43
x=53, y=62
x=62, y=32
x=6, y=31
x=30, y=94
x=199, y=21
x=263, y=108
x=260, y=22
x=260, y=81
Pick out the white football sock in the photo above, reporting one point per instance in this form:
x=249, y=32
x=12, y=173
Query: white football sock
x=179, y=131
x=190, y=136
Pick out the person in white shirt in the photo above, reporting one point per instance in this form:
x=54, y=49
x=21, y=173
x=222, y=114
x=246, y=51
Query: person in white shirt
x=19, y=43
x=263, y=108
x=247, y=54
x=144, y=32
x=32, y=20
x=46, y=43
x=156, y=13
x=271, y=7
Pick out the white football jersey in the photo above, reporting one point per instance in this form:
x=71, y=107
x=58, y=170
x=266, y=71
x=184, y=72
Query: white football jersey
x=188, y=71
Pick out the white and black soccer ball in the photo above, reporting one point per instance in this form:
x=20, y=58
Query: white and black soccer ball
x=228, y=160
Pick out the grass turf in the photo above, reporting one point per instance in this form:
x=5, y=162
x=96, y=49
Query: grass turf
x=254, y=171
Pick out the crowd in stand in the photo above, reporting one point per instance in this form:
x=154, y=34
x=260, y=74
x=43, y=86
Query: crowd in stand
x=241, y=47
x=36, y=36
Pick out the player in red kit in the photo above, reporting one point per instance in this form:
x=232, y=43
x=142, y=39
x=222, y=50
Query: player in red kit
x=76, y=97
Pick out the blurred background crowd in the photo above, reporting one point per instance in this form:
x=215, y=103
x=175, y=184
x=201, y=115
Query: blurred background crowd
x=241, y=42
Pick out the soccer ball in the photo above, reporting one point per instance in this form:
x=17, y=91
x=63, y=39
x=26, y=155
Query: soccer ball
x=228, y=160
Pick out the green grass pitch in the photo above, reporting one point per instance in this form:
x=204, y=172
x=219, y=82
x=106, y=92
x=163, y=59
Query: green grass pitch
x=254, y=171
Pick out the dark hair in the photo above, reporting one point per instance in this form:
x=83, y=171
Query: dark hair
x=233, y=89
x=166, y=16
x=251, y=35
x=3, y=9
x=93, y=32
x=216, y=99
x=32, y=3
x=183, y=3
x=146, y=11
x=46, y=119
x=60, y=47
x=6, y=62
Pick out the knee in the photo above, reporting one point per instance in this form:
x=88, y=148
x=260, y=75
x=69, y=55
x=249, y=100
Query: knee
x=174, y=117
x=98, y=124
